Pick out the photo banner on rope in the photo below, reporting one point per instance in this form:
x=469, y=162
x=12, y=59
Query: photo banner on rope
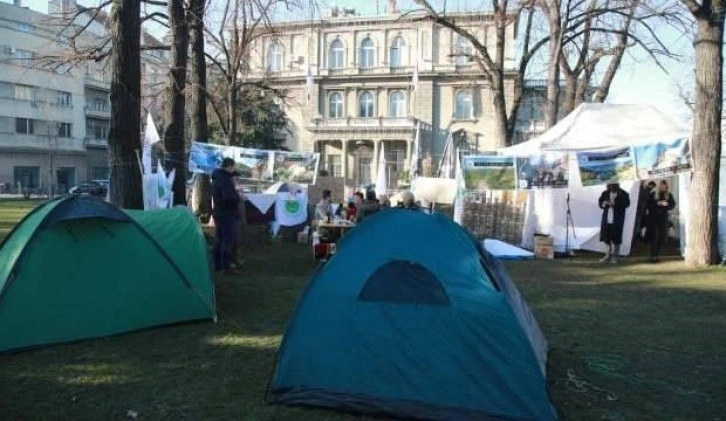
x=483, y=173
x=256, y=164
x=604, y=167
x=663, y=159
x=544, y=170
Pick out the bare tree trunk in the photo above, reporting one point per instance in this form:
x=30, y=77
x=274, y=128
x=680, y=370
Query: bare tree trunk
x=201, y=191
x=554, y=18
x=231, y=114
x=570, y=97
x=706, y=137
x=174, y=139
x=124, y=138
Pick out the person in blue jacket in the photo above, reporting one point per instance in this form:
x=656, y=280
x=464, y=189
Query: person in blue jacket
x=226, y=214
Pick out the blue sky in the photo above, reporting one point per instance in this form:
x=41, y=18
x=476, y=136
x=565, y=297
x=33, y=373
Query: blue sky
x=639, y=80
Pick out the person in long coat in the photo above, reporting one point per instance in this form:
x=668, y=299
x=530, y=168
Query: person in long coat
x=660, y=202
x=613, y=202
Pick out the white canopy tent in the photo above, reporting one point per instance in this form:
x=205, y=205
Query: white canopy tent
x=589, y=127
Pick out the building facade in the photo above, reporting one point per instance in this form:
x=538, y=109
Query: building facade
x=54, y=118
x=358, y=85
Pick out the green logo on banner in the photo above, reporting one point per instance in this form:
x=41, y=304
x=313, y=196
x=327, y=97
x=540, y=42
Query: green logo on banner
x=292, y=207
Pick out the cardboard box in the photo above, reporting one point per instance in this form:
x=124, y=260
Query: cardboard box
x=544, y=247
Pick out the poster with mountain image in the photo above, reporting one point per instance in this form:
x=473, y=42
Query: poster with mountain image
x=253, y=164
x=604, y=167
x=207, y=157
x=542, y=171
x=663, y=159
x=296, y=167
x=483, y=173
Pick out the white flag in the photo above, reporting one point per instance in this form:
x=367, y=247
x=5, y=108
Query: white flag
x=413, y=172
x=151, y=137
x=381, y=180
x=309, y=84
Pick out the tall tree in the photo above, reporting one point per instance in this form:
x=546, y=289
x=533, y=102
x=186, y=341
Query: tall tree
x=706, y=136
x=553, y=12
x=492, y=64
x=125, y=134
x=201, y=192
x=174, y=139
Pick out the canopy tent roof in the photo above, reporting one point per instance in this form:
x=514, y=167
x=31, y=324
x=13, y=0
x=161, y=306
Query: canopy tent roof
x=604, y=126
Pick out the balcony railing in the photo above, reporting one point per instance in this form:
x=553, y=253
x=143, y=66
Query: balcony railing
x=98, y=110
x=42, y=142
x=98, y=82
x=90, y=141
x=363, y=122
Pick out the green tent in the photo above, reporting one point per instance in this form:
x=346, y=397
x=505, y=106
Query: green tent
x=78, y=267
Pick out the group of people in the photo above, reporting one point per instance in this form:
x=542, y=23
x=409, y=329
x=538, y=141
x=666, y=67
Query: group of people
x=360, y=207
x=657, y=203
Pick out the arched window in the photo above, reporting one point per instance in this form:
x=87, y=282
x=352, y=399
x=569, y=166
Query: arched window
x=397, y=104
x=335, y=105
x=463, y=51
x=397, y=46
x=274, y=57
x=367, y=50
x=365, y=105
x=336, y=55
x=463, y=106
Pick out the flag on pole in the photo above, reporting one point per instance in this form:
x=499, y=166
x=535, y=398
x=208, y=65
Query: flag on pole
x=151, y=137
x=413, y=172
x=309, y=84
x=381, y=179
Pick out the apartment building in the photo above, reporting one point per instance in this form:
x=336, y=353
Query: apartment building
x=55, y=119
x=373, y=80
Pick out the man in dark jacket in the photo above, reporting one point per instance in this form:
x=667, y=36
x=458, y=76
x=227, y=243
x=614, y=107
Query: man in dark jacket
x=613, y=202
x=225, y=213
x=660, y=202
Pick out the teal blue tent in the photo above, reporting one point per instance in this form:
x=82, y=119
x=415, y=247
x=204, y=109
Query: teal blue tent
x=412, y=318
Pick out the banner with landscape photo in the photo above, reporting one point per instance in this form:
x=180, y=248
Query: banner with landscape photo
x=543, y=170
x=663, y=159
x=606, y=167
x=296, y=167
x=207, y=157
x=483, y=173
x=253, y=164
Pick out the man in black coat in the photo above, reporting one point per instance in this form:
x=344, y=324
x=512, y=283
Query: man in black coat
x=660, y=202
x=613, y=202
x=225, y=213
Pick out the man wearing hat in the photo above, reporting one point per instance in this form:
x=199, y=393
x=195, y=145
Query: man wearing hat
x=613, y=202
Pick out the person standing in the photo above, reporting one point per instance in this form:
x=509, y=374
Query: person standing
x=613, y=202
x=660, y=202
x=226, y=214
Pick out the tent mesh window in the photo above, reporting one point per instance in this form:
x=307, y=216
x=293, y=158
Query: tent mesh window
x=404, y=282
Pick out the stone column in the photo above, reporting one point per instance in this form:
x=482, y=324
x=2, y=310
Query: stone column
x=344, y=160
x=376, y=149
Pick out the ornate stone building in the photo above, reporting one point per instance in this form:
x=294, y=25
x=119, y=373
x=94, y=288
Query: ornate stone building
x=357, y=85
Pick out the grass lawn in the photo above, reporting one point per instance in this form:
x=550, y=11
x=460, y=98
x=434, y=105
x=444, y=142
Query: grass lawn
x=632, y=342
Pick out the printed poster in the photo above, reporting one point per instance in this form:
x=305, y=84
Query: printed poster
x=663, y=159
x=206, y=157
x=489, y=172
x=253, y=164
x=542, y=171
x=611, y=166
x=296, y=167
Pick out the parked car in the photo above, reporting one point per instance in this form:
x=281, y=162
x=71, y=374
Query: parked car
x=97, y=188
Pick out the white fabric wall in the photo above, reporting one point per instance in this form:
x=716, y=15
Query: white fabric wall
x=547, y=214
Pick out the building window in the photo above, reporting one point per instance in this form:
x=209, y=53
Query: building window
x=24, y=126
x=64, y=130
x=335, y=105
x=97, y=129
x=463, y=105
x=337, y=55
x=274, y=57
x=364, y=168
x=335, y=165
x=365, y=105
x=367, y=51
x=463, y=51
x=25, y=58
x=64, y=99
x=27, y=177
x=24, y=93
x=395, y=160
x=26, y=27
x=397, y=52
x=397, y=104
